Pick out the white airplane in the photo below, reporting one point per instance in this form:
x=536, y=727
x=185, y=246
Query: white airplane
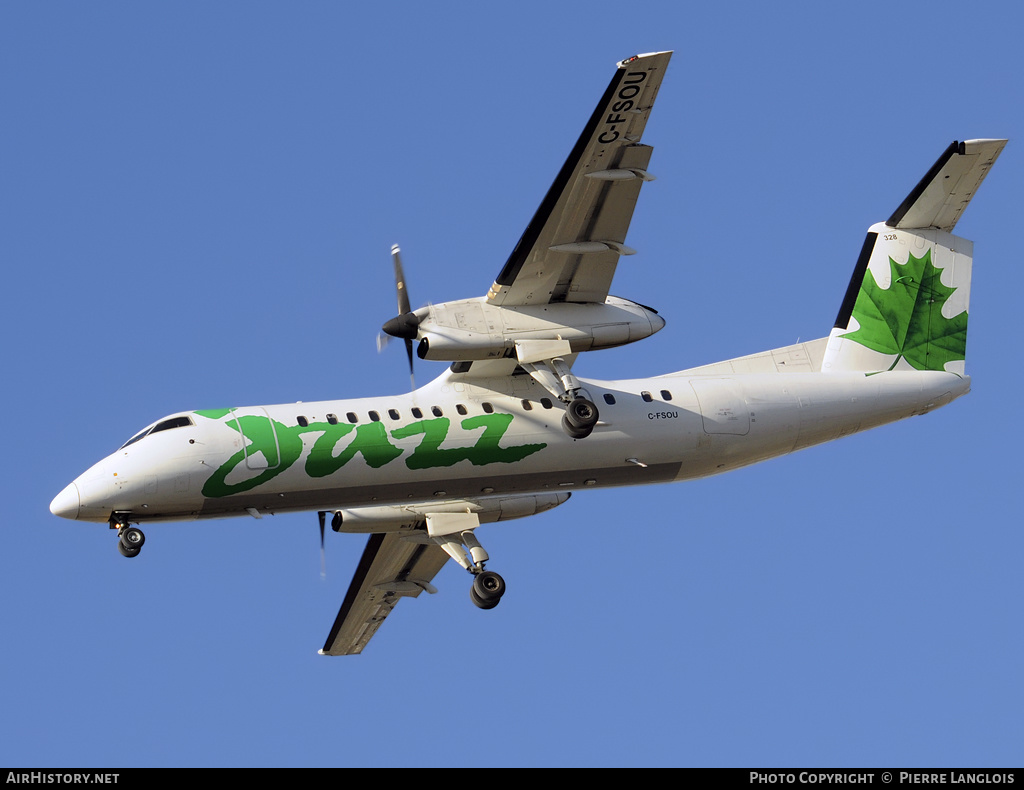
x=509, y=430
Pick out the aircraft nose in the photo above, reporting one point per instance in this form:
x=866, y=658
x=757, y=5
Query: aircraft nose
x=66, y=503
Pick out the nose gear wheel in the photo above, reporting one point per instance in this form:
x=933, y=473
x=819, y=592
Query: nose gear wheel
x=130, y=540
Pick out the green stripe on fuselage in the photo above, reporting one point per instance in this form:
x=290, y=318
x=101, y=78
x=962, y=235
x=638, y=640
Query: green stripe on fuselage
x=370, y=439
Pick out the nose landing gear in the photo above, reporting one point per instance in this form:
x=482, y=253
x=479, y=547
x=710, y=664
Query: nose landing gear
x=129, y=538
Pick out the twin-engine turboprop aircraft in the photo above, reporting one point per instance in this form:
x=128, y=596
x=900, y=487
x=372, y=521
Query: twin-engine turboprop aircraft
x=509, y=430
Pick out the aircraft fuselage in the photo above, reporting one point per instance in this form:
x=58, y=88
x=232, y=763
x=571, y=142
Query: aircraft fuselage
x=448, y=441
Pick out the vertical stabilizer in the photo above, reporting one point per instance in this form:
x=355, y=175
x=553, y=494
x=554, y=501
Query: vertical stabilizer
x=907, y=304
x=906, y=307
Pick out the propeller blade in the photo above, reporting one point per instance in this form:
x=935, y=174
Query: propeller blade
x=323, y=554
x=403, y=293
x=408, y=351
x=406, y=324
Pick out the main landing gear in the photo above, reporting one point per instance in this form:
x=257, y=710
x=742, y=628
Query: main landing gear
x=454, y=532
x=580, y=418
x=129, y=538
x=543, y=360
x=487, y=589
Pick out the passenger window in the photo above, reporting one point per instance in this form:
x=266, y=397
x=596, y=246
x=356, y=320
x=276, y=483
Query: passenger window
x=460, y=408
x=545, y=402
x=609, y=398
x=417, y=413
x=646, y=396
x=332, y=419
x=374, y=417
x=393, y=414
x=351, y=417
x=436, y=411
x=488, y=408
x=666, y=395
x=302, y=421
x=527, y=406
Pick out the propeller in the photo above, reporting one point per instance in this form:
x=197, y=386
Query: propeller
x=406, y=324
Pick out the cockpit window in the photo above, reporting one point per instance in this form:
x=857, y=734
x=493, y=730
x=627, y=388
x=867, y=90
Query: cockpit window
x=163, y=425
x=135, y=438
x=174, y=422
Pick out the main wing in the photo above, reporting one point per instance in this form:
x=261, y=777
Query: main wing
x=569, y=251
x=392, y=567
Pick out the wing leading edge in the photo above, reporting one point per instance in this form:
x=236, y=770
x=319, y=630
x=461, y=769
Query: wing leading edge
x=569, y=251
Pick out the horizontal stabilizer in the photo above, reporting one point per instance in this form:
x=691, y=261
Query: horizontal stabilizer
x=943, y=194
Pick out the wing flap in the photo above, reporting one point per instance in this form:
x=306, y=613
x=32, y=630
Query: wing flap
x=569, y=250
x=946, y=189
x=392, y=567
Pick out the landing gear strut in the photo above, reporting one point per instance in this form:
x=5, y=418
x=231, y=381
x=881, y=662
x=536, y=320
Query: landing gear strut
x=542, y=359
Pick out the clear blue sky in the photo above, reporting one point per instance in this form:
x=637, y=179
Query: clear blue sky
x=198, y=200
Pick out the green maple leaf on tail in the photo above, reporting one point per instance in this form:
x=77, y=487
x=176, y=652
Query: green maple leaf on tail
x=906, y=318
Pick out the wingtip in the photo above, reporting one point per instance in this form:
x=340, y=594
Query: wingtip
x=985, y=145
x=627, y=61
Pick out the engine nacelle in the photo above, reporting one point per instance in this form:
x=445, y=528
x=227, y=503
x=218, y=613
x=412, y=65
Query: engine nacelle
x=393, y=518
x=474, y=329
